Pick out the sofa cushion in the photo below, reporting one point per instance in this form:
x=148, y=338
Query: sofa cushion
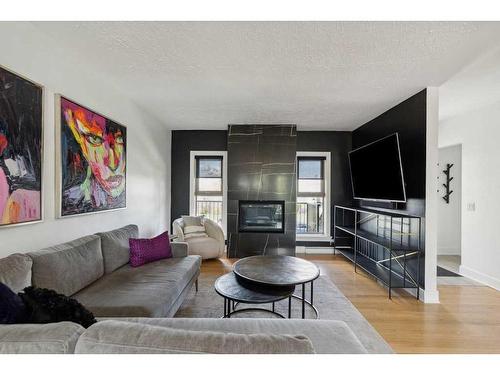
x=52, y=338
x=15, y=271
x=207, y=247
x=327, y=336
x=115, y=246
x=69, y=267
x=111, y=337
x=147, y=291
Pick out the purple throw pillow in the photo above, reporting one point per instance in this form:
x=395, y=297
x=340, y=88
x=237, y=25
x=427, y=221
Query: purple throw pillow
x=144, y=251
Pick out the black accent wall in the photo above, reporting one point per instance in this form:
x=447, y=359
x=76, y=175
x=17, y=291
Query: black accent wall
x=261, y=166
x=408, y=119
x=184, y=141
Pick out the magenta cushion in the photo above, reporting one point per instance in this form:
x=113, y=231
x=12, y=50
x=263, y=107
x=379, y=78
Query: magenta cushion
x=144, y=251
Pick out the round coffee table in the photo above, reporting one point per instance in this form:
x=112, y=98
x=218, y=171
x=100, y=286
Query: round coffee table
x=271, y=271
x=239, y=291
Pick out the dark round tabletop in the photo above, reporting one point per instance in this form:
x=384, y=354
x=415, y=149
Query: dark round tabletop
x=229, y=287
x=279, y=270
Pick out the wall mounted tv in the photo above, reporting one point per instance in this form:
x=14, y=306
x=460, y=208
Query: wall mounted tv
x=377, y=172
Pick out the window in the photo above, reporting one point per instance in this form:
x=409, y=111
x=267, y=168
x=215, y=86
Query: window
x=208, y=193
x=312, y=198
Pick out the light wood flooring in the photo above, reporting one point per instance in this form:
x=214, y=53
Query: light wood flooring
x=466, y=321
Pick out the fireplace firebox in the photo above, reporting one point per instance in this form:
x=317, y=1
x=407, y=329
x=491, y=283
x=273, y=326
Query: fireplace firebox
x=262, y=216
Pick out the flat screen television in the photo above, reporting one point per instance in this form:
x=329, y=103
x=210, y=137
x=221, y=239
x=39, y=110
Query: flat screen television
x=377, y=172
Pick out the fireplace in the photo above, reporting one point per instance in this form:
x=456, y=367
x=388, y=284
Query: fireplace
x=262, y=216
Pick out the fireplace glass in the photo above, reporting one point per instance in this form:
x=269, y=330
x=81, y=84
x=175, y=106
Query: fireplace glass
x=262, y=216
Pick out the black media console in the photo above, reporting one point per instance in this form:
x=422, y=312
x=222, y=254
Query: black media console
x=386, y=245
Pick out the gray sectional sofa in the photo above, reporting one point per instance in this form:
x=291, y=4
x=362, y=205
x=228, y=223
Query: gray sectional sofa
x=95, y=270
x=183, y=335
x=134, y=306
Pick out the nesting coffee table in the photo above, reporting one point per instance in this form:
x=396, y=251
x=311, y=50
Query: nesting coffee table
x=267, y=279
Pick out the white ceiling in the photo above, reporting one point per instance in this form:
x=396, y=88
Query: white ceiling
x=318, y=75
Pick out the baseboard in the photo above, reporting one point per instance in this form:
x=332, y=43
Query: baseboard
x=319, y=250
x=479, y=277
x=313, y=250
x=429, y=296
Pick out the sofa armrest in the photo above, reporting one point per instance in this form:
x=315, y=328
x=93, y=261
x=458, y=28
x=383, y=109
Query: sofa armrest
x=51, y=338
x=177, y=230
x=179, y=249
x=215, y=231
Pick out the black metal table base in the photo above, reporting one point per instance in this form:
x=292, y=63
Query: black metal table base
x=230, y=309
x=230, y=305
x=305, y=302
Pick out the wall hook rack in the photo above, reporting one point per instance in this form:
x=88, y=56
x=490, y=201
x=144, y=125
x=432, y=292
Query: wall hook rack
x=447, y=183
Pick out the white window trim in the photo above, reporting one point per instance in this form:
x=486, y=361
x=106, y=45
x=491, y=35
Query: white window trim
x=192, y=182
x=326, y=236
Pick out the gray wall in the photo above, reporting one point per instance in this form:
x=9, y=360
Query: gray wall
x=261, y=167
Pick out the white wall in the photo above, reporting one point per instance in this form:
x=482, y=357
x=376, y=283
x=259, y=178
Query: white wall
x=478, y=132
x=28, y=52
x=470, y=116
x=449, y=214
x=431, y=293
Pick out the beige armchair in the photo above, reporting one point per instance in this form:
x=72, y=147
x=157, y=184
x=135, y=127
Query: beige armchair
x=208, y=247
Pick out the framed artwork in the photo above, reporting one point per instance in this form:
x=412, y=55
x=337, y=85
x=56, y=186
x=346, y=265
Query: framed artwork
x=91, y=162
x=21, y=143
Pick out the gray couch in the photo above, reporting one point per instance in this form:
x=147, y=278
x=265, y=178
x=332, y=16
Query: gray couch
x=182, y=335
x=95, y=271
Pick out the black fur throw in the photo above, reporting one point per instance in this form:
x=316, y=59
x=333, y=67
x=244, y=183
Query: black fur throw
x=48, y=306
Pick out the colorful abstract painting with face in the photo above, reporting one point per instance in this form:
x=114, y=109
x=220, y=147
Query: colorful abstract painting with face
x=93, y=161
x=20, y=150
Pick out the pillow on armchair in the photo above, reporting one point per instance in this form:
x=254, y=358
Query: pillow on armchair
x=190, y=221
x=193, y=231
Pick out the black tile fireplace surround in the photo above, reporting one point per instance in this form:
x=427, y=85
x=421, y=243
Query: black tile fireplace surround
x=261, y=168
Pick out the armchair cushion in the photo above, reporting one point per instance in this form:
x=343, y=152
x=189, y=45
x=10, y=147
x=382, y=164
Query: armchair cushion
x=192, y=221
x=192, y=231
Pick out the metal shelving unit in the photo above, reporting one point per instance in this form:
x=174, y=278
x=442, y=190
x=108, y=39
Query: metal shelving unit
x=383, y=244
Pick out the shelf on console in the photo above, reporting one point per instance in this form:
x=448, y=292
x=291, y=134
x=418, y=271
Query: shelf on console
x=377, y=240
x=379, y=272
x=389, y=267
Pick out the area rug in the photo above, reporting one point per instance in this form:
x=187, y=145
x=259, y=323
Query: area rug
x=329, y=300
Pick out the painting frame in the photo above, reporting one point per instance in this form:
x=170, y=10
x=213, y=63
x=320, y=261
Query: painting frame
x=41, y=152
x=59, y=188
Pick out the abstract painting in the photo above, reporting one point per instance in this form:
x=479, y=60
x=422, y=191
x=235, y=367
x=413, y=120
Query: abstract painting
x=20, y=149
x=93, y=161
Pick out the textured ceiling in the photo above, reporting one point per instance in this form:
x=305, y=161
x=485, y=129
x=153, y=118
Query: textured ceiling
x=318, y=75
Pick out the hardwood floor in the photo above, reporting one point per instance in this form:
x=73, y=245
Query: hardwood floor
x=466, y=321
